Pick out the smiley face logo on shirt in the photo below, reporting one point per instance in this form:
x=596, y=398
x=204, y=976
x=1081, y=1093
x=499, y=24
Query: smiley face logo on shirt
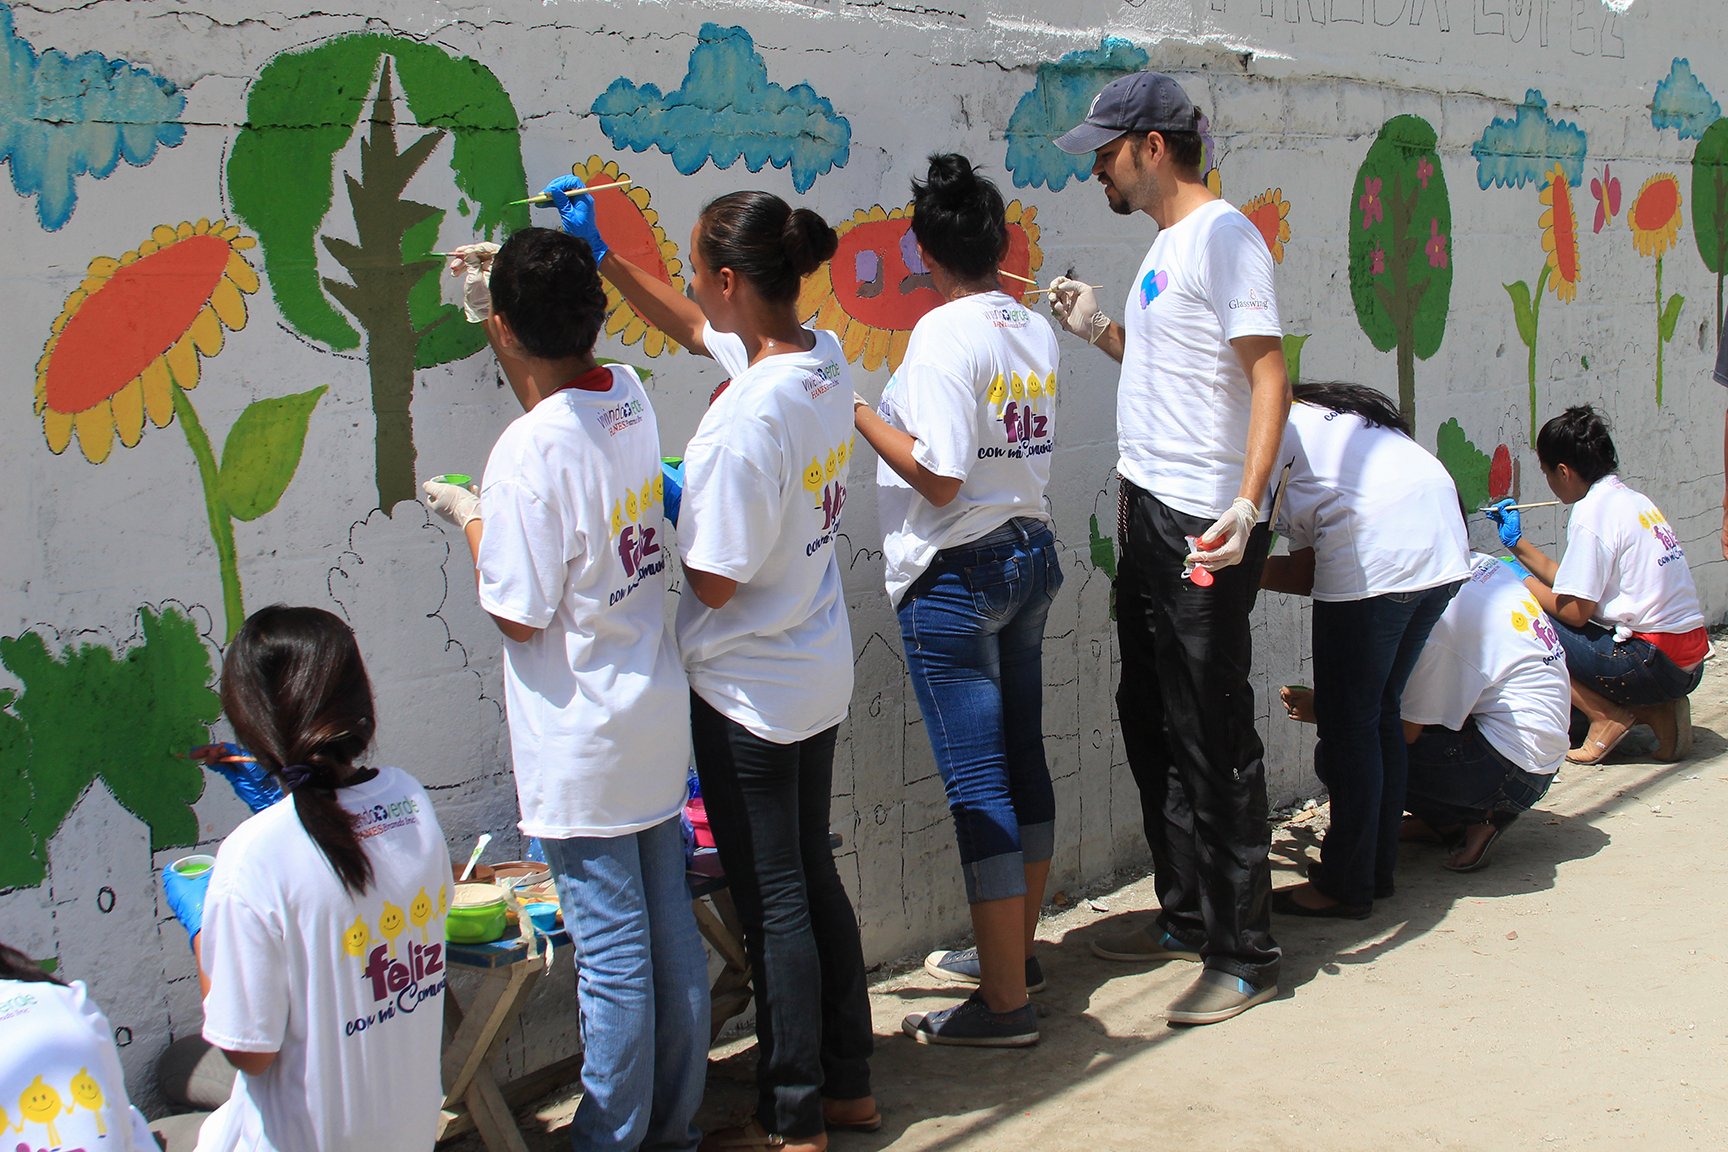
x=420, y=911
x=998, y=393
x=87, y=1093
x=1151, y=285
x=358, y=936
x=390, y=923
x=630, y=505
x=40, y=1104
x=813, y=478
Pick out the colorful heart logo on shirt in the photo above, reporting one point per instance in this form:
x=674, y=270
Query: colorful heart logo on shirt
x=1153, y=283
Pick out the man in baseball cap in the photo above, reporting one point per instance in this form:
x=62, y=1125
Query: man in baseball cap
x=1200, y=412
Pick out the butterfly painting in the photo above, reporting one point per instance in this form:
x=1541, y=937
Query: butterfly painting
x=1606, y=189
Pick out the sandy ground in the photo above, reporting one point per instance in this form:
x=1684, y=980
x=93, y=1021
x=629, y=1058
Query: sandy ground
x=1570, y=995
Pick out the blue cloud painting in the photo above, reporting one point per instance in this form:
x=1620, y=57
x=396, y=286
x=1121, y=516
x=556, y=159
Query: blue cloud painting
x=727, y=108
x=1523, y=150
x=1060, y=98
x=1684, y=103
x=63, y=116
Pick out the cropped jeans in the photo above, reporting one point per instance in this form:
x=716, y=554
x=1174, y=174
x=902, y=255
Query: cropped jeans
x=973, y=627
x=1460, y=778
x=1364, y=652
x=641, y=986
x=1632, y=673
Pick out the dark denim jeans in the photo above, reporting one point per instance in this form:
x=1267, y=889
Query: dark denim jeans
x=1632, y=673
x=1187, y=716
x=1460, y=778
x=768, y=806
x=973, y=627
x=1364, y=652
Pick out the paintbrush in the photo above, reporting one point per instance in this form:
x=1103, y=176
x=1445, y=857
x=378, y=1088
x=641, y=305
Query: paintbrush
x=1509, y=507
x=542, y=198
x=1029, y=280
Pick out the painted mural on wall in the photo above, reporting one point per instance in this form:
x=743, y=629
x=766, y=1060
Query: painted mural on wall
x=1710, y=205
x=1400, y=249
x=876, y=288
x=89, y=711
x=727, y=109
x=632, y=229
x=62, y=117
x=302, y=110
x=1059, y=99
x=1654, y=218
x=126, y=346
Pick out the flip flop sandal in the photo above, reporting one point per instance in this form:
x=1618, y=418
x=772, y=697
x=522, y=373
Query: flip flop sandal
x=1501, y=821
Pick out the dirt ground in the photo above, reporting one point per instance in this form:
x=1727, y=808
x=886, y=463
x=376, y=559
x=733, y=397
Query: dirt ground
x=1570, y=995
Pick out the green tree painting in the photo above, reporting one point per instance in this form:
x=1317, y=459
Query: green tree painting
x=1710, y=205
x=302, y=110
x=1401, y=248
x=89, y=712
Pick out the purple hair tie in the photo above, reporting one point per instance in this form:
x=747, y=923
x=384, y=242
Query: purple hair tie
x=295, y=775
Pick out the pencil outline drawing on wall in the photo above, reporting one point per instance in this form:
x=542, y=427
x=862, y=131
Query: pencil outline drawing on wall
x=1400, y=248
x=62, y=117
x=1060, y=97
x=304, y=108
x=725, y=108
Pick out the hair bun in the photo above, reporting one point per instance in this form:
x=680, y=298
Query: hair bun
x=951, y=178
x=808, y=241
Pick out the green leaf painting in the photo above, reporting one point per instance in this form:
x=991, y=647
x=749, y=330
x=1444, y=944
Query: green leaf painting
x=303, y=109
x=1710, y=205
x=262, y=451
x=1293, y=357
x=1401, y=248
x=89, y=712
x=1469, y=465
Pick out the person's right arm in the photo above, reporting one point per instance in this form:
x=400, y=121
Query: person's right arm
x=1075, y=306
x=246, y=990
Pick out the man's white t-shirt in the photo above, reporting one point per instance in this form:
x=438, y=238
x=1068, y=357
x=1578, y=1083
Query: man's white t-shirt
x=573, y=544
x=61, y=1083
x=1495, y=655
x=977, y=390
x=1182, y=406
x=347, y=990
x=764, y=483
x=1621, y=553
x=1380, y=512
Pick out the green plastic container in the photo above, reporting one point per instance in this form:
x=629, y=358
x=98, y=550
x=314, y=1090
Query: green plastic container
x=476, y=914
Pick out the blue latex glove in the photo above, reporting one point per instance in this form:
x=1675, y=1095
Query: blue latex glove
x=186, y=899
x=576, y=213
x=673, y=472
x=1518, y=569
x=256, y=788
x=1507, y=519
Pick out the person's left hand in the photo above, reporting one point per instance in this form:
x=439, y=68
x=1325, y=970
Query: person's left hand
x=186, y=898
x=1226, y=542
x=1518, y=569
x=1508, y=520
x=576, y=213
x=453, y=502
x=475, y=262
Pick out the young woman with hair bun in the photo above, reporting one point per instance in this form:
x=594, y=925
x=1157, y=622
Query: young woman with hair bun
x=322, y=934
x=965, y=430
x=1623, y=595
x=764, y=637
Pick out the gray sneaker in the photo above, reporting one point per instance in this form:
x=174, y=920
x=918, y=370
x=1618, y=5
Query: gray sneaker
x=961, y=967
x=1216, y=996
x=972, y=1025
x=1142, y=945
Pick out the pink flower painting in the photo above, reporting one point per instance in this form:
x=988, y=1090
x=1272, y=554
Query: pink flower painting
x=1436, y=246
x=1372, y=208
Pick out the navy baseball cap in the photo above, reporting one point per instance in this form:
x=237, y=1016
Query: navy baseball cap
x=1143, y=102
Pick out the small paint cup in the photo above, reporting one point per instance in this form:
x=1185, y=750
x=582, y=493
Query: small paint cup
x=190, y=866
x=453, y=478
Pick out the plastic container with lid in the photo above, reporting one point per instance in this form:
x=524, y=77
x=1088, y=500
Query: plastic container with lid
x=476, y=914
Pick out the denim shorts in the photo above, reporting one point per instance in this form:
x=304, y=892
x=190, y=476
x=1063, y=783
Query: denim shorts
x=1632, y=673
x=973, y=627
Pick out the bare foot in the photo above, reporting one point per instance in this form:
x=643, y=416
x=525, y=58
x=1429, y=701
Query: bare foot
x=1414, y=828
x=1604, y=736
x=1476, y=837
x=1298, y=703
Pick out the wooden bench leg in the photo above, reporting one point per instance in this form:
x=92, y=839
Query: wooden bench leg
x=492, y=1115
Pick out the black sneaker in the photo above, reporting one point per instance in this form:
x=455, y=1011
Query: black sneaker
x=973, y=1025
x=961, y=967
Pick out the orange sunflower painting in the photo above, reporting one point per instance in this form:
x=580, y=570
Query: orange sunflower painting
x=1559, y=224
x=1655, y=222
x=1270, y=213
x=876, y=288
x=632, y=229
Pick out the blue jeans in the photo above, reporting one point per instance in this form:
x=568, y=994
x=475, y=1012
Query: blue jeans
x=1632, y=673
x=1460, y=778
x=641, y=985
x=1364, y=652
x=973, y=627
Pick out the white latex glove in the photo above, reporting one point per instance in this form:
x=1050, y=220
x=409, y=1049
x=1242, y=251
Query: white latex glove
x=455, y=503
x=1075, y=304
x=1224, y=543
x=474, y=261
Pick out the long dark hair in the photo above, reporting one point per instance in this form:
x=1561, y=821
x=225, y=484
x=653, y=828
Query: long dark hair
x=295, y=689
x=14, y=965
x=1374, y=407
x=765, y=240
x=1578, y=438
x=959, y=218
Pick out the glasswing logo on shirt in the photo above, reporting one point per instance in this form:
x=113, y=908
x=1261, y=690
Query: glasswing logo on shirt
x=398, y=986
x=1658, y=526
x=1534, y=621
x=1151, y=285
x=621, y=416
x=1027, y=429
x=1253, y=302
x=822, y=379
x=635, y=539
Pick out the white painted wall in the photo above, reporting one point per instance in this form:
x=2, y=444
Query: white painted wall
x=1295, y=89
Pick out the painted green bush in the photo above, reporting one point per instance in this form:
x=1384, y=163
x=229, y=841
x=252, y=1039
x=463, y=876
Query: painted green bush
x=1710, y=205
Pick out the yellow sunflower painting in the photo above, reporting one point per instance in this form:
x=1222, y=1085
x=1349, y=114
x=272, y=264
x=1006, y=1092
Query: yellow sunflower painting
x=876, y=288
x=632, y=229
x=1270, y=213
x=1559, y=224
x=1655, y=222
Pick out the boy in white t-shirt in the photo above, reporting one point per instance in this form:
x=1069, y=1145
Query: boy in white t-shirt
x=1199, y=412
x=569, y=550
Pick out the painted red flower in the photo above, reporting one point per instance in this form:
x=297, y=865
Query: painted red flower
x=1436, y=246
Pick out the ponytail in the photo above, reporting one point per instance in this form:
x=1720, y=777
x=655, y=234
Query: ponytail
x=295, y=690
x=1373, y=406
x=765, y=240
